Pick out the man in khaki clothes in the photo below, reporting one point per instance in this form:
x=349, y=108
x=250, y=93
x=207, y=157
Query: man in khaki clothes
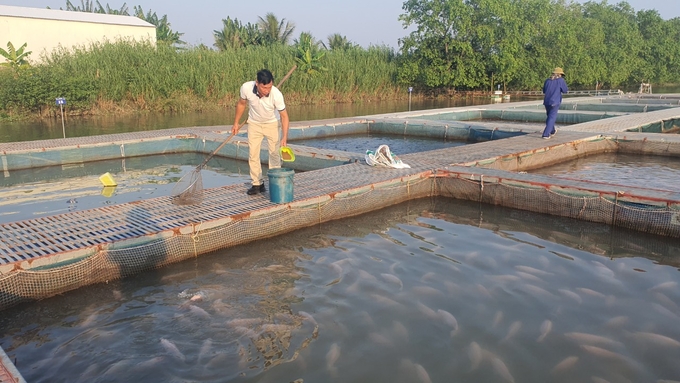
x=263, y=99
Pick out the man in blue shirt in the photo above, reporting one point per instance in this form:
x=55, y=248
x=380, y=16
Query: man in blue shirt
x=553, y=88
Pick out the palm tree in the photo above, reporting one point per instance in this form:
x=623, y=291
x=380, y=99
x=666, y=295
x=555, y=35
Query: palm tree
x=309, y=55
x=16, y=58
x=273, y=30
x=164, y=34
x=236, y=35
x=122, y=11
x=338, y=42
x=96, y=7
x=86, y=6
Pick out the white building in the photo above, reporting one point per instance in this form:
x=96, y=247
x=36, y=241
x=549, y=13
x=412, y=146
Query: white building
x=46, y=29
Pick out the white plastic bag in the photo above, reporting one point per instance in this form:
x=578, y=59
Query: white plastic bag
x=384, y=157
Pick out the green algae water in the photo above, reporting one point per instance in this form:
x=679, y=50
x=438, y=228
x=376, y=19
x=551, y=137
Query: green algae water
x=39, y=192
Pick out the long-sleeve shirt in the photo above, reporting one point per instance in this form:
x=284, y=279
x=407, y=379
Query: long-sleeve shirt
x=553, y=89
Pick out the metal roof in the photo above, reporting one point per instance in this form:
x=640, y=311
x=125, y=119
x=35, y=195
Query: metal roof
x=86, y=17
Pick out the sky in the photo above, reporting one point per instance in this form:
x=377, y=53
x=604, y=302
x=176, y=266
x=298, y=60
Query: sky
x=365, y=22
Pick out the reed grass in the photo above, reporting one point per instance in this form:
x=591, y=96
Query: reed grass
x=128, y=76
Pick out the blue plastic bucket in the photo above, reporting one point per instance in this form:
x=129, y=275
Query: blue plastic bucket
x=280, y=185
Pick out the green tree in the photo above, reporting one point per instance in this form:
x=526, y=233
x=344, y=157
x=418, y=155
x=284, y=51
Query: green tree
x=661, y=52
x=235, y=35
x=16, y=58
x=96, y=7
x=583, y=52
x=337, y=41
x=123, y=10
x=622, y=41
x=440, y=53
x=564, y=37
x=501, y=34
x=309, y=55
x=671, y=41
x=275, y=31
x=164, y=32
x=86, y=6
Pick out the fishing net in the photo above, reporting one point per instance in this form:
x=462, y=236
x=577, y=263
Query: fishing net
x=189, y=189
x=384, y=157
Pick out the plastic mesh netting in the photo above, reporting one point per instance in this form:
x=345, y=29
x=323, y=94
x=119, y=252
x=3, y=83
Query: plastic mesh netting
x=110, y=264
x=646, y=212
x=610, y=209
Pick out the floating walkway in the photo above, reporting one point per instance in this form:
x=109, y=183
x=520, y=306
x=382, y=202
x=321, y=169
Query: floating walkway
x=45, y=256
x=591, y=92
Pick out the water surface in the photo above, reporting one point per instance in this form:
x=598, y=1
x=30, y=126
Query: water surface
x=433, y=290
x=361, y=143
x=645, y=171
x=40, y=192
x=97, y=125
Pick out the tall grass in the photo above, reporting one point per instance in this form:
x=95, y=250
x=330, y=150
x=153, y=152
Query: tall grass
x=132, y=77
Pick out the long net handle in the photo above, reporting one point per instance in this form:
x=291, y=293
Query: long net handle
x=217, y=150
x=290, y=72
x=232, y=134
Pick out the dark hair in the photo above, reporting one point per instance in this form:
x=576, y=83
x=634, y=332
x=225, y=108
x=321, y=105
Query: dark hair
x=264, y=77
